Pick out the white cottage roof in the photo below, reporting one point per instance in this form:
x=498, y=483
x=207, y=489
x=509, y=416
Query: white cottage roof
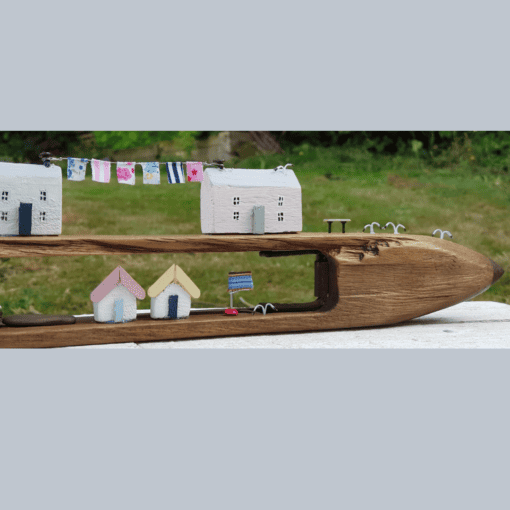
x=21, y=170
x=244, y=178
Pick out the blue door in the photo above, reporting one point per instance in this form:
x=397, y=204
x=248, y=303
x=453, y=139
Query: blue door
x=118, y=310
x=172, y=307
x=25, y=219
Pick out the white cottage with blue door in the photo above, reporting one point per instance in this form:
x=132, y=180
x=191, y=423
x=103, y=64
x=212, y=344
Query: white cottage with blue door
x=30, y=200
x=171, y=294
x=115, y=297
x=241, y=201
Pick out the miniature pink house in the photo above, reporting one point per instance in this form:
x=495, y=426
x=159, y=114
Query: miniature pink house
x=115, y=297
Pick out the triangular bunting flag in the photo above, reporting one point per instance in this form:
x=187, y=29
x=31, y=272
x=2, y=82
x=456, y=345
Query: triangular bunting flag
x=175, y=173
x=100, y=170
x=76, y=169
x=194, y=171
x=126, y=173
x=150, y=173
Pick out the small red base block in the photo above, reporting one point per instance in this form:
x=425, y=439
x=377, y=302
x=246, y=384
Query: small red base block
x=231, y=311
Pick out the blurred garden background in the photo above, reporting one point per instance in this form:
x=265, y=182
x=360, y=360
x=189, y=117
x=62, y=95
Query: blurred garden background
x=453, y=180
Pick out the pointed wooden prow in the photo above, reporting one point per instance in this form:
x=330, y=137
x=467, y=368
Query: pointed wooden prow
x=498, y=271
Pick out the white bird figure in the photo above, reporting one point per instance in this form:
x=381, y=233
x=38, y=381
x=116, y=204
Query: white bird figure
x=283, y=167
x=395, y=228
x=371, y=225
x=442, y=232
x=264, y=308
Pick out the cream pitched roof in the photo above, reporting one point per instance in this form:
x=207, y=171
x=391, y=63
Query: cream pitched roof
x=174, y=275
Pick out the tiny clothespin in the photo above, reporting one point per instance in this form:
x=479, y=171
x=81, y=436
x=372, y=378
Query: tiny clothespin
x=45, y=156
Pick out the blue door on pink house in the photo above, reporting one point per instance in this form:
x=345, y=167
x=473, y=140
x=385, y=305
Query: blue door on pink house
x=172, y=306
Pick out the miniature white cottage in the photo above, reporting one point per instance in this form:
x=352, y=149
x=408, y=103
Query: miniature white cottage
x=243, y=201
x=171, y=294
x=30, y=199
x=115, y=297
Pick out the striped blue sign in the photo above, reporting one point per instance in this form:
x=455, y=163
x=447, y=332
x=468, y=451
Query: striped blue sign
x=175, y=173
x=240, y=281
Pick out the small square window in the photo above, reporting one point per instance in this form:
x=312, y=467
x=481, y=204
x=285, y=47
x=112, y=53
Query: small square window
x=5, y=195
x=43, y=196
x=280, y=216
x=4, y=216
x=236, y=216
x=280, y=201
x=42, y=216
x=235, y=201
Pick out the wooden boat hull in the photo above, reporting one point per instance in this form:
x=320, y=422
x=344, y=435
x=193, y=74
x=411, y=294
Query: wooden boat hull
x=361, y=280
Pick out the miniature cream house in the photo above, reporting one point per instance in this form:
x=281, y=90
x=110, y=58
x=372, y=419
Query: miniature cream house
x=30, y=200
x=115, y=297
x=171, y=294
x=243, y=201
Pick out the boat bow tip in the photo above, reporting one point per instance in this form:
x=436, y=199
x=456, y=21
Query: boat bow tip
x=498, y=272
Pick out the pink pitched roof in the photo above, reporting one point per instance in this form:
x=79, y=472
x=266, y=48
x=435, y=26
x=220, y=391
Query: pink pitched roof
x=117, y=275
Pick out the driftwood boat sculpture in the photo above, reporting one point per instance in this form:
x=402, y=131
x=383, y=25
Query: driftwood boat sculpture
x=360, y=280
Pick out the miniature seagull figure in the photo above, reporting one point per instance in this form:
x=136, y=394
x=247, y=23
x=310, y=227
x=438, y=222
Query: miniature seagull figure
x=264, y=308
x=395, y=228
x=442, y=232
x=280, y=167
x=371, y=225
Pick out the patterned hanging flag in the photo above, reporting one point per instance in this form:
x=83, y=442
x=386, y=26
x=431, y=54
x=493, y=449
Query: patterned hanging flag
x=126, y=173
x=175, y=173
x=195, y=171
x=76, y=169
x=100, y=170
x=150, y=173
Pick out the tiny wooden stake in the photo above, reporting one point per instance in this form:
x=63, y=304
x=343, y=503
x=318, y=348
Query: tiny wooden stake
x=331, y=221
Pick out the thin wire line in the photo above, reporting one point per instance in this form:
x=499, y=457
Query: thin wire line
x=220, y=166
x=86, y=160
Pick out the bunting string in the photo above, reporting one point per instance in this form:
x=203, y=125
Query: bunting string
x=177, y=172
x=101, y=170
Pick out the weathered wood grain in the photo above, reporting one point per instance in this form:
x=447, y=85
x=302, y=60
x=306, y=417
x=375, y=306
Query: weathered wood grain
x=105, y=245
x=369, y=280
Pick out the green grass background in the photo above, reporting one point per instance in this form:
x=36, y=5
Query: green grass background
x=336, y=183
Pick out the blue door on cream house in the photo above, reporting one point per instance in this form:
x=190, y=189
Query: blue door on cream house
x=172, y=306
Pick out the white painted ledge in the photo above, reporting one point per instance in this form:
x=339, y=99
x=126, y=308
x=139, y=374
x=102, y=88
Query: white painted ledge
x=475, y=324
